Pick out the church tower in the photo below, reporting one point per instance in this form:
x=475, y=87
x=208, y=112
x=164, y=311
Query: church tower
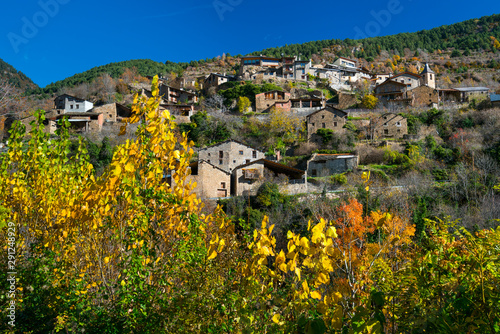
x=428, y=77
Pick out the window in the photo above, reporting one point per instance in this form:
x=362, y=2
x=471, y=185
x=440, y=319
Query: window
x=314, y=173
x=71, y=107
x=322, y=116
x=323, y=125
x=221, y=162
x=241, y=152
x=386, y=131
x=77, y=106
x=223, y=185
x=398, y=123
x=208, y=161
x=312, y=124
x=208, y=154
x=399, y=130
x=234, y=161
x=334, y=123
x=221, y=154
x=254, y=154
x=247, y=161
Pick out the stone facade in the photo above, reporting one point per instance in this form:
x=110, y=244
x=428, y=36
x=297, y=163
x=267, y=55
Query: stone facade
x=424, y=96
x=174, y=95
x=229, y=154
x=265, y=101
x=328, y=164
x=326, y=118
x=215, y=80
x=389, y=126
x=211, y=181
x=108, y=111
x=390, y=90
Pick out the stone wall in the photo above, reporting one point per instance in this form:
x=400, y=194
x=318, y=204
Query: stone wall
x=229, y=154
x=211, y=181
x=108, y=111
x=324, y=119
x=425, y=96
x=390, y=126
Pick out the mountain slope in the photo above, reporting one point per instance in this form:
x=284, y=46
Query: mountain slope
x=474, y=34
x=14, y=77
x=144, y=67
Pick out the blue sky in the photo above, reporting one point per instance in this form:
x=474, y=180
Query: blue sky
x=50, y=40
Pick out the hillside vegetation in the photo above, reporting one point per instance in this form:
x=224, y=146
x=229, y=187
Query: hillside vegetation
x=14, y=77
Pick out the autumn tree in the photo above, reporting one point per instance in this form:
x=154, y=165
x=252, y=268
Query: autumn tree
x=243, y=104
x=106, y=88
x=284, y=126
x=369, y=101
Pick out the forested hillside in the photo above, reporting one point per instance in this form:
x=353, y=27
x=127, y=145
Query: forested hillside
x=14, y=77
x=473, y=34
x=145, y=67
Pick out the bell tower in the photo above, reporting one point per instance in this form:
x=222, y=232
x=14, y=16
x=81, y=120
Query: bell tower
x=428, y=77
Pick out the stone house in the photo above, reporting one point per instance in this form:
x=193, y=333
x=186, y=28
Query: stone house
x=66, y=103
x=468, y=93
x=216, y=79
x=113, y=112
x=389, y=126
x=249, y=177
x=301, y=69
x=392, y=91
x=211, y=181
x=424, y=96
x=321, y=165
x=326, y=118
x=174, y=95
x=278, y=99
x=229, y=154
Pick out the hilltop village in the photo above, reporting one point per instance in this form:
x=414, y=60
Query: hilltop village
x=326, y=119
